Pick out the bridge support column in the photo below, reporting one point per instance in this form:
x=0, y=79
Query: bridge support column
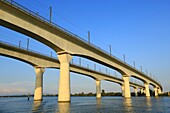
x=156, y=91
x=64, y=81
x=159, y=91
x=136, y=91
x=38, y=92
x=123, y=90
x=126, y=87
x=147, y=92
x=144, y=91
x=141, y=91
x=98, y=89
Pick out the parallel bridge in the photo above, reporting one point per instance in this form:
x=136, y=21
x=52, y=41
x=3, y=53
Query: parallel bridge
x=40, y=61
x=67, y=45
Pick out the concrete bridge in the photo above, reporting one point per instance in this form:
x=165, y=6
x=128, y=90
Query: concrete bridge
x=40, y=62
x=67, y=45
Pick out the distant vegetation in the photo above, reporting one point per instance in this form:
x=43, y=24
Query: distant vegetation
x=15, y=96
x=94, y=94
x=165, y=94
x=91, y=94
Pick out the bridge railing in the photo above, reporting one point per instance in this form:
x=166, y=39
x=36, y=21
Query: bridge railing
x=43, y=19
x=25, y=49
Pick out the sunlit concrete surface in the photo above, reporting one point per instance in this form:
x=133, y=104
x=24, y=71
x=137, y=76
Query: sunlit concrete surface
x=66, y=43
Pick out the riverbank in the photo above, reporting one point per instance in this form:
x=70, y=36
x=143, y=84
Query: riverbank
x=85, y=94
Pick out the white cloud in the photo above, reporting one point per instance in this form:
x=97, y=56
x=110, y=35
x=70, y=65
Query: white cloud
x=21, y=87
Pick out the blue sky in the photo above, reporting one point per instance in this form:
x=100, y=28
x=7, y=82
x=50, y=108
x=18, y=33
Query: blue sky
x=138, y=29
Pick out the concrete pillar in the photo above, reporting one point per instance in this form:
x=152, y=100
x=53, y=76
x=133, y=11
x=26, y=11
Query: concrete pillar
x=98, y=89
x=156, y=91
x=126, y=87
x=141, y=91
x=136, y=91
x=159, y=91
x=147, y=92
x=144, y=91
x=38, y=92
x=64, y=81
x=123, y=92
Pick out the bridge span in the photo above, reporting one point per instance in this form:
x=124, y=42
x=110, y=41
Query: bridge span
x=66, y=45
x=40, y=62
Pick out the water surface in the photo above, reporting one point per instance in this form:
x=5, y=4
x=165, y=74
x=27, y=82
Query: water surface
x=86, y=105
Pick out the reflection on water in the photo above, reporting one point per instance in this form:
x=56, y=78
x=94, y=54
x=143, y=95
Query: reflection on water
x=86, y=105
x=148, y=103
x=128, y=104
x=98, y=102
x=64, y=107
x=37, y=105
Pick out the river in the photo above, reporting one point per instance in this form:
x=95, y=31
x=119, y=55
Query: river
x=86, y=105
